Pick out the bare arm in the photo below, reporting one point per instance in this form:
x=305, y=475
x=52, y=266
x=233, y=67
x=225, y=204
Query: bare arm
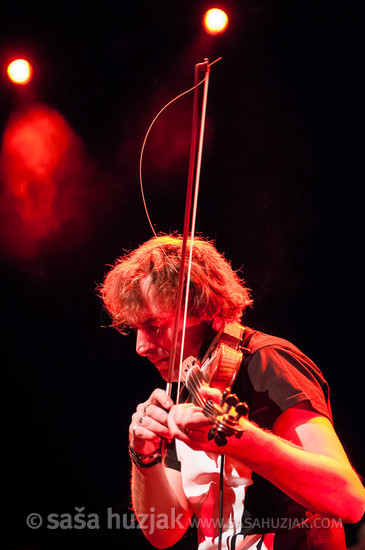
x=157, y=505
x=157, y=493
x=307, y=462
x=303, y=457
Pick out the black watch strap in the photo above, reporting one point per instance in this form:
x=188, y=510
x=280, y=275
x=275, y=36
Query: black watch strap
x=144, y=461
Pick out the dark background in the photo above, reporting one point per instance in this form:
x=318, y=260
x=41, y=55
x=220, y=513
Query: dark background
x=281, y=193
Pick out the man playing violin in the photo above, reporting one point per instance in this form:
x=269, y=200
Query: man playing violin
x=285, y=482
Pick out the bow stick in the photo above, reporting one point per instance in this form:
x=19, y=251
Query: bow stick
x=193, y=185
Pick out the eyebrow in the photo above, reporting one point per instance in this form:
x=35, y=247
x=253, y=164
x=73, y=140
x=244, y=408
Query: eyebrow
x=151, y=320
x=148, y=321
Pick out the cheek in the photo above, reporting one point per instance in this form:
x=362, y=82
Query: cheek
x=165, y=341
x=192, y=342
x=167, y=337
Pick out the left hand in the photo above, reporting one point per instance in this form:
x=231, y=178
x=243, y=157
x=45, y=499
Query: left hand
x=188, y=423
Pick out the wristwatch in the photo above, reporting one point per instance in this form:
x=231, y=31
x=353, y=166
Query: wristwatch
x=145, y=461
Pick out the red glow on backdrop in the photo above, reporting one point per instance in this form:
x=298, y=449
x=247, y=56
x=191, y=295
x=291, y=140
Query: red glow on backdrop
x=166, y=153
x=20, y=71
x=168, y=146
x=43, y=173
x=215, y=21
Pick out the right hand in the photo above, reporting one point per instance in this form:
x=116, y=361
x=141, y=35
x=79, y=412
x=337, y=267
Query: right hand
x=149, y=423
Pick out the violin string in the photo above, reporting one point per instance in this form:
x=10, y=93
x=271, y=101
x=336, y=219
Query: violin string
x=193, y=387
x=194, y=384
x=208, y=405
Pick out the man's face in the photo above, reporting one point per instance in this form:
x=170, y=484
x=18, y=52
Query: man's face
x=155, y=336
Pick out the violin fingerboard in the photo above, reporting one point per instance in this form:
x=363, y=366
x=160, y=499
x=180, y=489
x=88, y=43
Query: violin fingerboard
x=194, y=381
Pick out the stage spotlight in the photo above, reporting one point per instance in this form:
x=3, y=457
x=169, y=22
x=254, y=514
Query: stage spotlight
x=215, y=21
x=20, y=71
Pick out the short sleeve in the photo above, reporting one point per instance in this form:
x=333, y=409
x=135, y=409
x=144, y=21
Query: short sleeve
x=278, y=377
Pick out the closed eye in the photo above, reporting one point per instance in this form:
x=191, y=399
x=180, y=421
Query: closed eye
x=152, y=328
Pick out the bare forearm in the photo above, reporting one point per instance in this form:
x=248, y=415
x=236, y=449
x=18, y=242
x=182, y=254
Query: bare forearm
x=159, y=511
x=151, y=489
x=320, y=483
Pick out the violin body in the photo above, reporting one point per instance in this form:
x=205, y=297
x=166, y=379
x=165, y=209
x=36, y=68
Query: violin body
x=219, y=369
x=223, y=359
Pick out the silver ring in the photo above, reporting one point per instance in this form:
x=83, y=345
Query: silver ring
x=145, y=408
x=141, y=420
x=134, y=429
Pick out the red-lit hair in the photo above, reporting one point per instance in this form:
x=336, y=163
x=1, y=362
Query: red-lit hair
x=215, y=289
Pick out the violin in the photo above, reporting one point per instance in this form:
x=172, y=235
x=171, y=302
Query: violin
x=219, y=366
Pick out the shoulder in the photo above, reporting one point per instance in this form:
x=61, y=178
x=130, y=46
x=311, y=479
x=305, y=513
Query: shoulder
x=259, y=341
x=270, y=353
x=279, y=370
x=273, y=352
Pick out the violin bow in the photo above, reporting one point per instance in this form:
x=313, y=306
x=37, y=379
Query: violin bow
x=196, y=150
x=192, y=186
x=194, y=168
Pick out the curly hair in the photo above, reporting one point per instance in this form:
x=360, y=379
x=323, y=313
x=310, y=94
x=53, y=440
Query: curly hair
x=215, y=289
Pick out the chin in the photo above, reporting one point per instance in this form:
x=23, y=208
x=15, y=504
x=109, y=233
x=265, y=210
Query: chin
x=165, y=375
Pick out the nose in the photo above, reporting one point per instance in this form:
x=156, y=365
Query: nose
x=143, y=344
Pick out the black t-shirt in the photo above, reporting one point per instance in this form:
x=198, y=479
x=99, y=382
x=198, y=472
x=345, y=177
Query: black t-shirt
x=274, y=376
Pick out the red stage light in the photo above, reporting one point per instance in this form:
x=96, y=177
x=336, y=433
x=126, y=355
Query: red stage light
x=20, y=71
x=215, y=21
x=45, y=184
